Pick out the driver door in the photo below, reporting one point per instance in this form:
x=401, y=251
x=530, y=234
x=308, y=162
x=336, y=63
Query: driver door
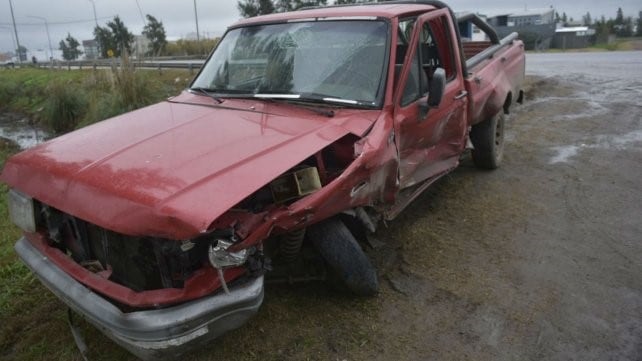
x=430, y=140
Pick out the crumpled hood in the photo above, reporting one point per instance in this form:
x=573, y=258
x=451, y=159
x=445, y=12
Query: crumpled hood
x=170, y=169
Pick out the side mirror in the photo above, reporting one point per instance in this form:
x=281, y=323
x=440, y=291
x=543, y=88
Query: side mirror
x=436, y=87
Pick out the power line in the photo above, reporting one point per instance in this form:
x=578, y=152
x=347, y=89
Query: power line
x=63, y=22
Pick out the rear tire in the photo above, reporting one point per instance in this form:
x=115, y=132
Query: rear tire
x=488, y=139
x=344, y=257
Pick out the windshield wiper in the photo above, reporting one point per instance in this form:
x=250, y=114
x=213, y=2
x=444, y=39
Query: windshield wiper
x=206, y=92
x=323, y=98
x=285, y=97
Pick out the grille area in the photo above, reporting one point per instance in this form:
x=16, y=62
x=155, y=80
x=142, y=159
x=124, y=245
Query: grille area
x=139, y=263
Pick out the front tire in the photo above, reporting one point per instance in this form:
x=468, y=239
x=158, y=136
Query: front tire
x=488, y=139
x=343, y=256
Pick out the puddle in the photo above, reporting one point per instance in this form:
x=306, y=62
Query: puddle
x=17, y=129
x=608, y=142
x=564, y=153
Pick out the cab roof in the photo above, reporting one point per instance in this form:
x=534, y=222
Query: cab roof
x=381, y=10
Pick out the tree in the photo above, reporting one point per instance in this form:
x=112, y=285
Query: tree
x=564, y=18
x=619, y=18
x=155, y=32
x=105, y=40
x=250, y=8
x=305, y=3
x=586, y=19
x=603, y=29
x=282, y=6
x=114, y=37
x=122, y=37
x=557, y=17
x=639, y=23
x=626, y=28
x=69, y=48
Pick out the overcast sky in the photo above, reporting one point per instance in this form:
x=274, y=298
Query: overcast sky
x=77, y=17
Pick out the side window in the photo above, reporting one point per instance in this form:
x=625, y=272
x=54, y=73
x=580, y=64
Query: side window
x=404, y=32
x=436, y=47
x=412, y=90
x=434, y=51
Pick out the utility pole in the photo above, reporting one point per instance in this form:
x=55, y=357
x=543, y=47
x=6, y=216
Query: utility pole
x=48, y=37
x=15, y=30
x=140, y=11
x=198, y=37
x=95, y=17
x=97, y=47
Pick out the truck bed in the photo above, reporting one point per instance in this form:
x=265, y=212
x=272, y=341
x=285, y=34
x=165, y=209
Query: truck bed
x=495, y=73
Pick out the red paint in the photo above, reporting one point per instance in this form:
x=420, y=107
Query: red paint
x=201, y=283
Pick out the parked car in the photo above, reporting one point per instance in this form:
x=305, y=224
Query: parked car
x=301, y=132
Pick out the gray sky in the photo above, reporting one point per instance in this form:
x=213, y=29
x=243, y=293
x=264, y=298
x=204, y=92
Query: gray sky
x=214, y=15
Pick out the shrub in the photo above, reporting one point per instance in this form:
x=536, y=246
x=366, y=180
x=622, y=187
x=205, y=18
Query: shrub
x=64, y=107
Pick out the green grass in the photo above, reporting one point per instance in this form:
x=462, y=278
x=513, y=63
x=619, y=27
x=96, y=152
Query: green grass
x=62, y=100
x=621, y=44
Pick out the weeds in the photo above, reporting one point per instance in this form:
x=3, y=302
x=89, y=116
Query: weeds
x=63, y=100
x=64, y=108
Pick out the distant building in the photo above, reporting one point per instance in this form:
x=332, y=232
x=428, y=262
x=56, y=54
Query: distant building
x=574, y=37
x=535, y=27
x=141, y=46
x=468, y=30
x=90, y=48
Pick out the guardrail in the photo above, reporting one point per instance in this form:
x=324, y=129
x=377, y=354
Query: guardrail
x=185, y=64
x=191, y=64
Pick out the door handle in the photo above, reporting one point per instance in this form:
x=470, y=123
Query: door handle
x=461, y=95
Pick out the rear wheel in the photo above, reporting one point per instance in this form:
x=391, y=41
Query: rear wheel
x=344, y=257
x=488, y=140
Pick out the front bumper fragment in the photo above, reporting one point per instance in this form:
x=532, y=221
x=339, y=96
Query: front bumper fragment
x=151, y=334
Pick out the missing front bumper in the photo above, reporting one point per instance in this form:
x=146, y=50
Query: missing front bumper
x=152, y=334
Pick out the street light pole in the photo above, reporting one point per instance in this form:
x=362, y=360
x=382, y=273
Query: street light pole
x=15, y=30
x=48, y=37
x=94, y=6
x=198, y=37
x=97, y=47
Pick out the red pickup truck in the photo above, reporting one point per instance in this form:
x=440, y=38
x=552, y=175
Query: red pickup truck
x=302, y=131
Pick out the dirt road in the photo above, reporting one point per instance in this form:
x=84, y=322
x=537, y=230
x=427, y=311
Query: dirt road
x=541, y=259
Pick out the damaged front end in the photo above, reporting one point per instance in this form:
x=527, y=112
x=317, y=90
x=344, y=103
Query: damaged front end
x=160, y=297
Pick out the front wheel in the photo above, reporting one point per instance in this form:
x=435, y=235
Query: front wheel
x=344, y=257
x=488, y=140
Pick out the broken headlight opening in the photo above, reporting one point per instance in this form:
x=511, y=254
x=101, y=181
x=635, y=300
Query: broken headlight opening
x=21, y=211
x=220, y=258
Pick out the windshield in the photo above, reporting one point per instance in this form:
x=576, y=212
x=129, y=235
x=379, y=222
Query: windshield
x=328, y=59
